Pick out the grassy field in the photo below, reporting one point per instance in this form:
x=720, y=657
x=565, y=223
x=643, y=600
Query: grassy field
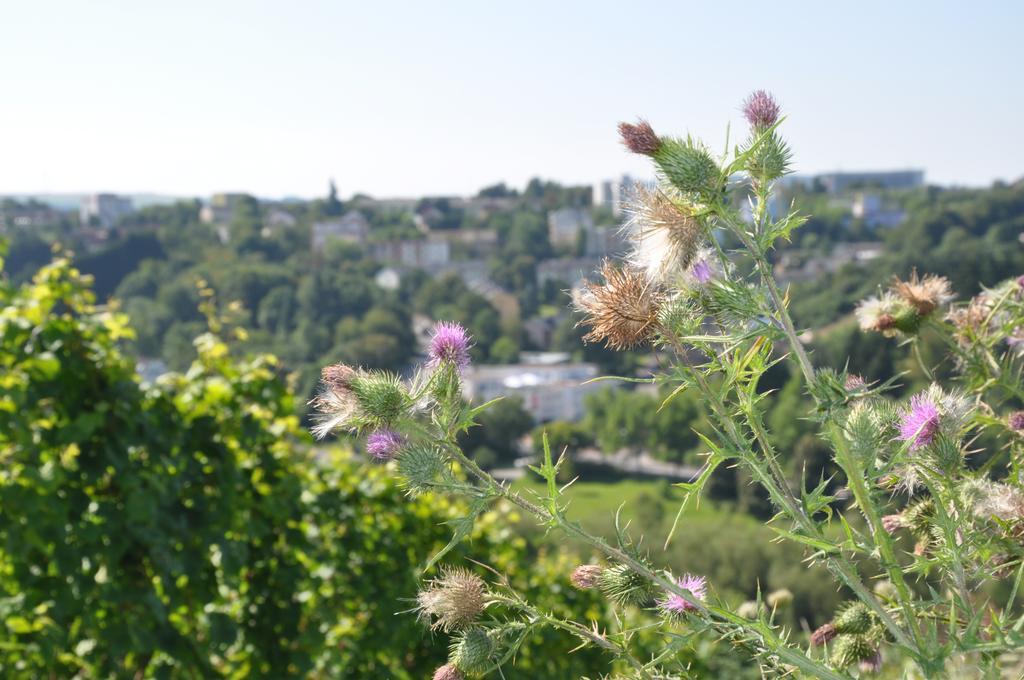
x=650, y=506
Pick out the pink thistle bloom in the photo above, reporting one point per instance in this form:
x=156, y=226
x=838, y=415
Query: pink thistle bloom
x=761, y=110
x=384, y=445
x=676, y=605
x=1016, y=421
x=920, y=422
x=702, y=272
x=449, y=344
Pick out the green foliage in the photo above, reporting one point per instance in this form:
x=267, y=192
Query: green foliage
x=185, y=530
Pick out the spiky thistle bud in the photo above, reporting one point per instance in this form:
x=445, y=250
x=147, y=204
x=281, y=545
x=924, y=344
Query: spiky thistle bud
x=448, y=672
x=382, y=399
x=823, y=634
x=779, y=598
x=674, y=605
x=761, y=110
x=851, y=649
x=623, y=311
x=854, y=618
x=620, y=584
x=453, y=600
x=923, y=295
x=689, y=167
x=854, y=383
x=586, y=576
x=472, y=652
x=418, y=467
x=640, y=137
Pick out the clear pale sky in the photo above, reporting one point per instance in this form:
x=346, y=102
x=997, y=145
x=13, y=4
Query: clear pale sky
x=415, y=98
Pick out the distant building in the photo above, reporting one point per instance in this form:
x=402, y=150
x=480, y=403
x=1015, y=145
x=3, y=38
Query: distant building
x=565, y=225
x=791, y=267
x=418, y=253
x=550, y=391
x=351, y=227
x=840, y=182
x=875, y=212
x=605, y=241
x=105, y=209
x=566, y=271
x=30, y=214
x=221, y=208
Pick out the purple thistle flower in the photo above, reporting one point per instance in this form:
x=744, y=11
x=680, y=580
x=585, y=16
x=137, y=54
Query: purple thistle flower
x=640, y=138
x=920, y=422
x=761, y=110
x=1016, y=421
x=384, y=444
x=702, y=272
x=450, y=343
x=1020, y=281
x=676, y=605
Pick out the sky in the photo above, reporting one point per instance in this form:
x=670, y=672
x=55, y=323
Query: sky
x=433, y=98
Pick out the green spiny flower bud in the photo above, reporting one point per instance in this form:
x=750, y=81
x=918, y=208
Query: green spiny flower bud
x=418, y=466
x=770, y=160
x=855, y=618
x=381, y=396
x=851, y=649
x=689, y=167
x=918, y=517
x=622, y=585
x=472, y=652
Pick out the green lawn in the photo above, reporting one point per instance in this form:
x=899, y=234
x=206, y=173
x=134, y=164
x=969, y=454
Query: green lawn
x=650, y=506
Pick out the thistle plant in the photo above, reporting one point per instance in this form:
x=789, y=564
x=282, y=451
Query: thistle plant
x=698, y=289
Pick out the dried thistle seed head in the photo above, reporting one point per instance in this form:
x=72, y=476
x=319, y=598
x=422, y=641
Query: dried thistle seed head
x=665, y=235
x=779, y=598
x=881, y=314
x=823, y=634
x=924, y=295
x=623, y=311
x=988, y=499
x=336, y=404
x=586, y=576
x=749, y=609
x=337, y=376
x=453, y=600
x=472, y=652
x=761, y=110
x=640, y=138
x=448, y=672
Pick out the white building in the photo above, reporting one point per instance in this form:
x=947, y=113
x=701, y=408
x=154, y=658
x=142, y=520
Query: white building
x=351, y=227
x=549, y=391
x=612, y=193
x=106, y=209
x=566, y=271
x=565, y=225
